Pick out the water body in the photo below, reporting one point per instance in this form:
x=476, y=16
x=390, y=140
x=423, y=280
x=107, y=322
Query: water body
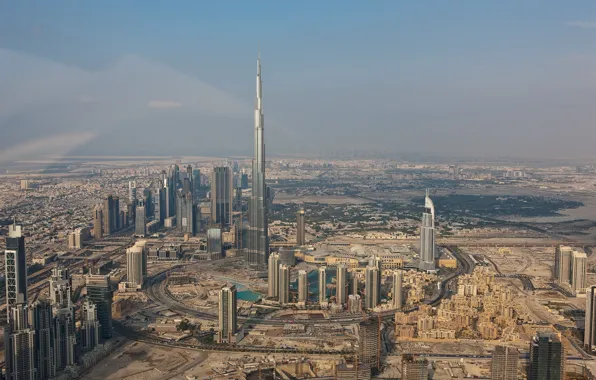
x=248, y=295
x=313, y=284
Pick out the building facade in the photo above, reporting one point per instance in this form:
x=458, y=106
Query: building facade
x=257, y=250
x=504, y=363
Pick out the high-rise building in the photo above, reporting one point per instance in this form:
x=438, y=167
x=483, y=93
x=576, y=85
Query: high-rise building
x=578, y=273
x=322, y=285
x=302, y=286
x=257, y=251
x=300, y=228
x=77, y=237
x=562, y=269
x=373, y=291
x=273, y=276
x=60, y=288
x=196, y=183
x=98, y=222
x=111, y=215
x=140, y=218
x=570, y=268
x=244, y=181
x=547, y=357
x=221, y=196
x=341, y=283
x=590, y=320
x=42, y=322
x=228, y=327
x=19, y=345
x=132, y=192
x=159, y=205
x=369, y=342
x=414, y=368
x=89, y=327
x=354, y=304
x=427, y=235
x=284, y=284
x=503, y=365
x=136, y=264
x=214, y=246
x=15, y=267
x=353, y=283
x=65, y=338
x=186, y=217
x=99, y=291
x=397, y=293
x=148, y=197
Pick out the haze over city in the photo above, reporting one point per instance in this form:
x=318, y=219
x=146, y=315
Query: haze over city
x=501, y=78
x=326, y=189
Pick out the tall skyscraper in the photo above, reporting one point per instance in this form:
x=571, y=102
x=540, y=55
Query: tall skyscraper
x=140, y=218
x=427, y=235
x=159, y=205
x=373, y=291
x=414, y=368
x=64, y=321
x=547, y=357
x=227, y=314
x=397, y=292
x=214, y=246
x=322, y=285
x=578, y=274
x=341, y=283
x=132, y=197
x=196, y=183
x=99, y=291
x=302, y=286
x=111, y=215
x=562, y=269
x=570, y=268
x=148, y=197
x=97, y=222
x=42, y=322
x=353, y=283
x=221, y=196
x=300, y=228
x=15, y=267
x=65, y=338
x=60, y=288
x=19, y=345
x=284, y=284
x=132, y=192
x=136, y=263
x=273, y=276
x=186, y=214
x=369, y=342
x=257, y=251
x=590, y=320
x=89, y=327
x=503, y=365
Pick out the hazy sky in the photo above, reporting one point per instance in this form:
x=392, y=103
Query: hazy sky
x=166, y=77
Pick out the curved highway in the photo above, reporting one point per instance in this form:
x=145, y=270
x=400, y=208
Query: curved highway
x=157, y=292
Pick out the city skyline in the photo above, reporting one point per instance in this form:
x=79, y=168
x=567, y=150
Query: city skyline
x=329, y=261
x=494, y=81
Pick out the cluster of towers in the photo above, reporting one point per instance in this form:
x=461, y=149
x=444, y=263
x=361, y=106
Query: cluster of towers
x=41, y=339
x=108, y=218
x=346, y=285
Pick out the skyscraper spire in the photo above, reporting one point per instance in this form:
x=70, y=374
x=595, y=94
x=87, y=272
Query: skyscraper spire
x=258, y=239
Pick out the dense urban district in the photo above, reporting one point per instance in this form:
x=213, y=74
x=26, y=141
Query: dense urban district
x=339, y=267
